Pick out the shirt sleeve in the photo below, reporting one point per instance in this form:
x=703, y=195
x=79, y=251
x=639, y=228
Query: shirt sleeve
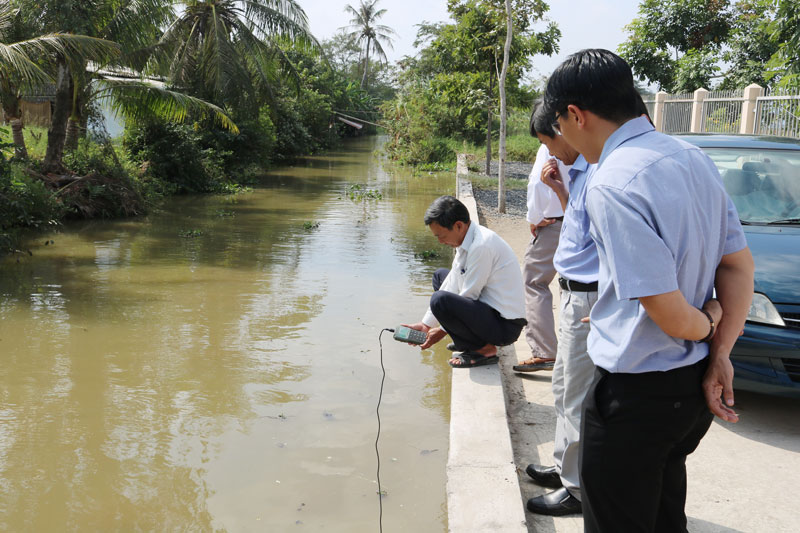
x=535, y=206
x=449, y=284
x=639, y=262
x=735, y=239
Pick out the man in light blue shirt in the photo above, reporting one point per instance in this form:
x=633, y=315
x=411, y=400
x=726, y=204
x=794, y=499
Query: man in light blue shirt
x=545, y=214
x=576, y=262
x=667, y=235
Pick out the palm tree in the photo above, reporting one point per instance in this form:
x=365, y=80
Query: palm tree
x=136, y=25
x=367, y=33
x=229, y=51
x=19, y=70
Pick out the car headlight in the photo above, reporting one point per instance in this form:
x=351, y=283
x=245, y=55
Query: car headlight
x=763, y=311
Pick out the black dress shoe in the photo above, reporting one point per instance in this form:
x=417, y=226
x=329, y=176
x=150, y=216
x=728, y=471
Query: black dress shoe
x=557, y=503
x=546, y=476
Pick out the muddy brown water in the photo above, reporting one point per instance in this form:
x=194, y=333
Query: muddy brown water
x=215, y=366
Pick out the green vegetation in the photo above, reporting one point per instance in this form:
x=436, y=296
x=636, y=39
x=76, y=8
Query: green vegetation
x=360, y=193
x=448, y=94
x=212, y=92
x=190, y=233
x=677, y=44
x=309, y=225
x=426, y=255
x=485, y=182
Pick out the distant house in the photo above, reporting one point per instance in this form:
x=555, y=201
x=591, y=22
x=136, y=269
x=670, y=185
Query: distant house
x=36, y=107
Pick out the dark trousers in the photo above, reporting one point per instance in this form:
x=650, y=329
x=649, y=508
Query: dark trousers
x=470, y=323
x=636, y=432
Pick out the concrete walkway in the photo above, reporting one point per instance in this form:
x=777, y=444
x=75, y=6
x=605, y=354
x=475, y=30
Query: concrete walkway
x=482, y=482
x=742, y=478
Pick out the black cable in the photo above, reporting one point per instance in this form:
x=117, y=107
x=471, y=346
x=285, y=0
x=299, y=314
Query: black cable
x=378, y=436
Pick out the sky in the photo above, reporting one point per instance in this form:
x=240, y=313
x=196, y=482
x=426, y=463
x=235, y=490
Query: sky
x=583, y=23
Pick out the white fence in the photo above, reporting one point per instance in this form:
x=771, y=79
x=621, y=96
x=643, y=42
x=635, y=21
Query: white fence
x=750, y=111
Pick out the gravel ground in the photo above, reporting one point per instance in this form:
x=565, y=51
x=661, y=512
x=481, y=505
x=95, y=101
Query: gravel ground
x=514, y=169
x=516, y=199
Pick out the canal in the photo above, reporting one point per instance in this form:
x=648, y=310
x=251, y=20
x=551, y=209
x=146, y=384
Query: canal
x=215, y=366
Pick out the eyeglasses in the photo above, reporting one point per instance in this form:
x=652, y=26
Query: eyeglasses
x=556, y=125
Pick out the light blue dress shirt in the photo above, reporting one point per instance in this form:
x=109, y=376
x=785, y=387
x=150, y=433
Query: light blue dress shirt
x=576, y=256
x=662, y=221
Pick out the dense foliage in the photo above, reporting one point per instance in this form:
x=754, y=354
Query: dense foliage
x=677, y=44
x=449, y=92
x=211, y=91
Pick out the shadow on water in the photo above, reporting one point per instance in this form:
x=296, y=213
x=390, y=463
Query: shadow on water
x=215, y=365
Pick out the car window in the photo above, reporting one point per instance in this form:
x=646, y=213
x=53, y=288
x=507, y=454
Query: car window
x=763, y=184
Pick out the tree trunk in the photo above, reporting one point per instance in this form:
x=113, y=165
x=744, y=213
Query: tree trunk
x=366, y=66
x=20, y=150
x=73, y=133
x=75, y=122
x=501, y=176
x=56, y=135
x=13, y=116
x=489, y=131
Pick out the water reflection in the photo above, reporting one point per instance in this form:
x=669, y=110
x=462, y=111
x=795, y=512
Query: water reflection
x=215, y=365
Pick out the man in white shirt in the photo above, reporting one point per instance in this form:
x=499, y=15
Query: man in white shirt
x=545, y=215
x=479, y=301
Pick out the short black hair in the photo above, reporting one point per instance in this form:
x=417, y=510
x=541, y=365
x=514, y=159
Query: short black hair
x=595, y=80
x=446, y=211
x=542, y=119
x=641, y=108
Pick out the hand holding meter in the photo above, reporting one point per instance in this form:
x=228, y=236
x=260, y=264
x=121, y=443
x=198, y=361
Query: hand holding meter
x=406, y=334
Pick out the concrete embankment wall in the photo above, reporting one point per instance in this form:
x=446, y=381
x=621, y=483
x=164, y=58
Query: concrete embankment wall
x=483, y=491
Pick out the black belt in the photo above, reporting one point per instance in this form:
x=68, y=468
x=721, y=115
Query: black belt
x=555, y=218
x=577, y=286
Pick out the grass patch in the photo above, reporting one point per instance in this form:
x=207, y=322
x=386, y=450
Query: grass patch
x=520, y=147
x=484, y=182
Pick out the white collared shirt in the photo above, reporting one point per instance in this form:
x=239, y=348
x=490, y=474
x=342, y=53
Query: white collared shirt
x=485, y=269
x=542, y=201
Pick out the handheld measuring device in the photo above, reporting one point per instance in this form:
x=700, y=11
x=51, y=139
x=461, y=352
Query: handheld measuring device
x=406, y=334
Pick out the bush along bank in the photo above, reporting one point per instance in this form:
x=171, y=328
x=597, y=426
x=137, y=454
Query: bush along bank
x=152, y=160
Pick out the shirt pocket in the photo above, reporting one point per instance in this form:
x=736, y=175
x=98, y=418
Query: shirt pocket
x=576, y=229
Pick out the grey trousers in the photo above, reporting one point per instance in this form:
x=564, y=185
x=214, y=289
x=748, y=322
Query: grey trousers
x=538, y=272
x=573, y=374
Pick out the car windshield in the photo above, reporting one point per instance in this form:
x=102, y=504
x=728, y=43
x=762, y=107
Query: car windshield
x=763, y=184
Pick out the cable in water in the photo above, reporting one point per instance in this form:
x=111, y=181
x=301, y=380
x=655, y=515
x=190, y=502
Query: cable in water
x=378, y=436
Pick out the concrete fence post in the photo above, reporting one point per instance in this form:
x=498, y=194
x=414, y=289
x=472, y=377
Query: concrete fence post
x=658, y=110
x=696, y=125
x=749, y=108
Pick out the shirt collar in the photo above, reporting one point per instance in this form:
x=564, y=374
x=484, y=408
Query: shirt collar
x=629, y=130
x=469, y=237
x=580, y=165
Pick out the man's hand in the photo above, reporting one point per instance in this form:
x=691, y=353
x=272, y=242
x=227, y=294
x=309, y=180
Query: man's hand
x=434, y=336
x=718, y=386
x=553, y=179
x=718, y=381
x=543, y=223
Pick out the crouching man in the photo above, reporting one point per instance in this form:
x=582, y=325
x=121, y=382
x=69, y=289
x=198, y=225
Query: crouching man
x=479, y=301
